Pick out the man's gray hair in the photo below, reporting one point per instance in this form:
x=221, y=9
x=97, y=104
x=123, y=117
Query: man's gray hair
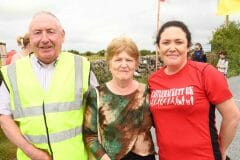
x=47, y=13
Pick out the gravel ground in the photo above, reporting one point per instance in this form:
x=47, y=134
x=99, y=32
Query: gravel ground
x=234, y=149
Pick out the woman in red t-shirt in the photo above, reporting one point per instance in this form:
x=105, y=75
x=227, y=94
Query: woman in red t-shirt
x=183, y=98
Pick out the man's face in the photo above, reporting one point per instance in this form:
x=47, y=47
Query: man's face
x=46, y=37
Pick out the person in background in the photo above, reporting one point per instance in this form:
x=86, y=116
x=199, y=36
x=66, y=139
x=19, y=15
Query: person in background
x=22, y=42
x=42, y=100
x=198, y=54
x=222, y=64
x=183, y=97
x=10, y=55
x=117, y=119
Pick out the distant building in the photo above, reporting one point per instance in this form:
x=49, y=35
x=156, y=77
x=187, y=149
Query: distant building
x=3, y=53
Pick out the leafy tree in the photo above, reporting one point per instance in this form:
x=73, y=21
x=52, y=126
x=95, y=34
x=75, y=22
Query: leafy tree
x=227, y=38
x=101, y=53
x=89, y=53
x=153, y=53
x=73, y=51
x=145, y=52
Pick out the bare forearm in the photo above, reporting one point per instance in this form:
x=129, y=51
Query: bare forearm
x=13, y=133
x=230, y=120
x=227, y=133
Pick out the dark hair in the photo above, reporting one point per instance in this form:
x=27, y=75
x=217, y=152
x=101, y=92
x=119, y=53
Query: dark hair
x=178, y=24
x=223, y=52
x=200, y=45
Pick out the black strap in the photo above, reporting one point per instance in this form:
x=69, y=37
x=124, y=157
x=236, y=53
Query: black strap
x=2, y=80
x=1, y=77
x=134, y=156
x=47, y=131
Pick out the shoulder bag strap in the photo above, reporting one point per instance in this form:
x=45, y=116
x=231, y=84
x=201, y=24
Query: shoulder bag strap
x=99, y=137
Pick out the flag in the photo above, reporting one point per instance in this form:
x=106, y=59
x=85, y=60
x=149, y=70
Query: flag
x=226, y=7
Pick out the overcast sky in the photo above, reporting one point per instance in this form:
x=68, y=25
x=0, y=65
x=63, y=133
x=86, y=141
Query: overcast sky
x=91, y=24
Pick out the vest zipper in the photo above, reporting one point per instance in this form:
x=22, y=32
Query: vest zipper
x=47, y=132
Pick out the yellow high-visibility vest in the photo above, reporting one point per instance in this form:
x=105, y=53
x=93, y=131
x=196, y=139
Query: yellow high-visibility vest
x=57, y=112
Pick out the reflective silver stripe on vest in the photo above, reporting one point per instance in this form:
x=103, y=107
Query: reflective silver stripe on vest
x=55, y=137
x=20, y=112
x=11, y=71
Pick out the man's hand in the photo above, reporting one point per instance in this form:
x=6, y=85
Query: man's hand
x=38, y=154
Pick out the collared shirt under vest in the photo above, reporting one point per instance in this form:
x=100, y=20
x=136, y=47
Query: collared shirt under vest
x=56, y=112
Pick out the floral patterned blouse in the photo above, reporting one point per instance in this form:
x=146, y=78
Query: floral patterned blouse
x=121, y=123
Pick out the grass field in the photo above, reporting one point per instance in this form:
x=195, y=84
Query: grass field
x=7, y=150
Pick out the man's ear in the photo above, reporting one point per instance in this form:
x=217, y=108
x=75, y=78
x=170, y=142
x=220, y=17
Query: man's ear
x=63, y=34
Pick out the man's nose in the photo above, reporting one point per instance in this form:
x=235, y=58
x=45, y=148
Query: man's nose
x=45, y=37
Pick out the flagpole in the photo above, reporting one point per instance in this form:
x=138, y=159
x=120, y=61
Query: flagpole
x=226, y=20
x=158, y=20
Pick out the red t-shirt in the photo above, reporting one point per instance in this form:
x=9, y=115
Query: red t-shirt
x=9, y=56
x=183, y=111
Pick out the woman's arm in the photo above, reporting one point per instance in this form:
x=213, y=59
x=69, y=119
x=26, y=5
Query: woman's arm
x=230, y=120
x=90, y=126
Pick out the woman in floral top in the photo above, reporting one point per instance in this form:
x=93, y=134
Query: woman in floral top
x=118, y=128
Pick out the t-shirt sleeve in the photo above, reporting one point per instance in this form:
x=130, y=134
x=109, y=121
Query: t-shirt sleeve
x=4, y=100
x=4, y=97
x=216, y=85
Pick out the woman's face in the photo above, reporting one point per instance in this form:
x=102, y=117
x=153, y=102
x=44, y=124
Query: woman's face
x=173, y=47
x=122, y=66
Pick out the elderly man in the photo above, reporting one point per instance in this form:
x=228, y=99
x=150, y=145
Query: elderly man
x=42, y=97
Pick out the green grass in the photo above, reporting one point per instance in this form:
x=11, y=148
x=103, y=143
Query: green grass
x=7, y=149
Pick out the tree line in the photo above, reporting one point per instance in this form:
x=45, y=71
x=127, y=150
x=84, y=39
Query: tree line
x=224, y=38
